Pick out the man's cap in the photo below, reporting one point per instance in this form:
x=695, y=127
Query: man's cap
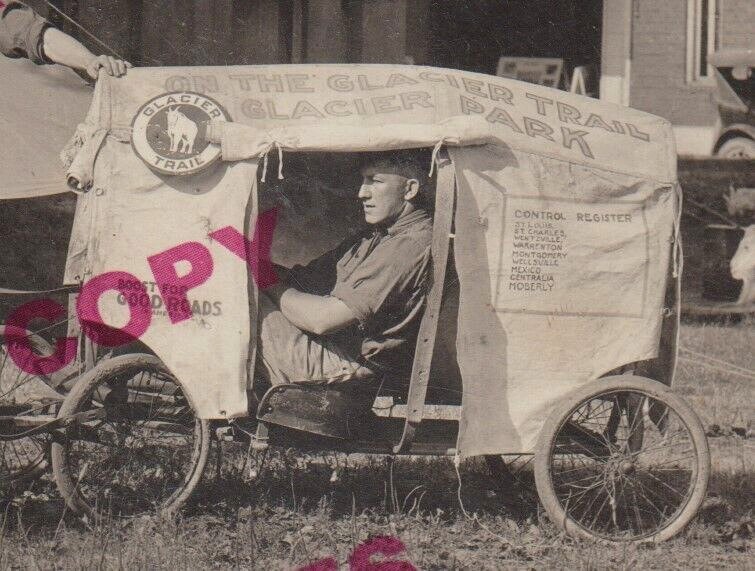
x=415, y=162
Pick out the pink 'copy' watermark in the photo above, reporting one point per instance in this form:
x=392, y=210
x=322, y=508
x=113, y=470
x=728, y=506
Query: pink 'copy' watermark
x=172, y=284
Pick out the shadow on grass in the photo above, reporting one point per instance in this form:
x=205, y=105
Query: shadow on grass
x=355, y=484
x=305, y=484
x=731, y=497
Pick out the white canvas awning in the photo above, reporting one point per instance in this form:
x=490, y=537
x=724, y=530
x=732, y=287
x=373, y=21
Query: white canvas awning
x=41, y=105
x=566, y=215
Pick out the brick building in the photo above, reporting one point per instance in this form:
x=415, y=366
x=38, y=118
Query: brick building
x=655, y=59
x=651, y=54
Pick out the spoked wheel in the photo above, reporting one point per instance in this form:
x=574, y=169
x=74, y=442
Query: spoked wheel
x=623, y=459
x=23, y=395
x=135, y=444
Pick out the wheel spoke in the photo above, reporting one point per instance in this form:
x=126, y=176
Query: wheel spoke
x=600, y=510
x=646, y=493
x=665, y=485
x=572, y=483
x=641, y=486
x=25, y=455
x=150, y=450
x=635, y=508
x=665, y=444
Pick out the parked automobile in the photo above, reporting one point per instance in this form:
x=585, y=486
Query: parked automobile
x=736, y=86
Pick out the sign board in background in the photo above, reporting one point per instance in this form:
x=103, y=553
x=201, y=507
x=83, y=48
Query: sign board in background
x=542, y=71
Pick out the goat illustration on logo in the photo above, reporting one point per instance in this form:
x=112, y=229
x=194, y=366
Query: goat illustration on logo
x=169, y=132
x=182, y=132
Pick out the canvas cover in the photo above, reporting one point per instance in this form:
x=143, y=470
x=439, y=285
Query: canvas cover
x=41, y=106
x=563, y=274
x=131, y=213
x=564, y=223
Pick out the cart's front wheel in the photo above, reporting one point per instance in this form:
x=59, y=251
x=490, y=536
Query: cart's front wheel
x=133, y=445
x=623, y=459
x=24, y=395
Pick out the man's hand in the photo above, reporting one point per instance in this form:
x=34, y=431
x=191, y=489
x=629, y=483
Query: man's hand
x=61, y=48
x=112, y=66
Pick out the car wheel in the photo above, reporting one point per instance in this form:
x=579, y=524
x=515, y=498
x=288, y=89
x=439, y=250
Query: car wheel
x=737, y=148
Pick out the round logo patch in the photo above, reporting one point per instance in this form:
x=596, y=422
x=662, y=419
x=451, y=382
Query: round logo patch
x=169, y=132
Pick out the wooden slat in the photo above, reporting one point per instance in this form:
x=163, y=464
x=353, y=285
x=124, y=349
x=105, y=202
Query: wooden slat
x=384, y=33
x=299, y=18
x=221, y=15
x=444, y=203
x=167, y=32
x=384, y=407
x=204, y=35
x=327, y=37
x=256, y=32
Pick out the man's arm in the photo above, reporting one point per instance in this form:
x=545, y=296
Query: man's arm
x=24, y=33
x=65, y=50
x=317, y=314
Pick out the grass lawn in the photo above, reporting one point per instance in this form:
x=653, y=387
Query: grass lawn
x=292, y=514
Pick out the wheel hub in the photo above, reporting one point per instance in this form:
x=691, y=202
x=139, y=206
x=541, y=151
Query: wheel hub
x=619, y=466
x=626, y=467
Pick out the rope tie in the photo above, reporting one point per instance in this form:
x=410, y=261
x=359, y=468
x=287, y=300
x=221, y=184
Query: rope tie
x=280, y=160
x=121, y=133
x=473, y=518
x=434, y=156
x=676, y=255
x=264, y=161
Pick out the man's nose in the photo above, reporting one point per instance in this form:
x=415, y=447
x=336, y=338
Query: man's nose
x=364, y=191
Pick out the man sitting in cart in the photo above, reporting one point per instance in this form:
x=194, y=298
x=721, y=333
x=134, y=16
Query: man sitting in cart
x=352, y=315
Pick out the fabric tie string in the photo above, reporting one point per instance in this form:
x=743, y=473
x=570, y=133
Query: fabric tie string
x=676, y=254
x=280, y=160
x=434, y=156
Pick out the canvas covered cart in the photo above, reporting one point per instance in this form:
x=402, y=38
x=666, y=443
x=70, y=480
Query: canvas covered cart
x=550, y=326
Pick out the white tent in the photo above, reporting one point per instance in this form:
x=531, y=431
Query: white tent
x=41, y=107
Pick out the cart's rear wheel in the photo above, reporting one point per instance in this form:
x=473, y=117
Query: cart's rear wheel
x=138, y=448
x=623, y=459
x=23, y=394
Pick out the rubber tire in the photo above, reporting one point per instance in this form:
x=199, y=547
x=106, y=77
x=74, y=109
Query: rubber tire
x=35, y=469
x=740, y=148
x=66, y=481
x=564, y=409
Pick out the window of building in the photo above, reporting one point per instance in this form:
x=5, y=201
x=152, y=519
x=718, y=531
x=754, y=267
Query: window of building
x=702, y=38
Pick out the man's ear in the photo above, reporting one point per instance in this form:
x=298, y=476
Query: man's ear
x=411, y=189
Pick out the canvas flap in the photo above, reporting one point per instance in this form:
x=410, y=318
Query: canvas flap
x=41, y=107
x=562, y=274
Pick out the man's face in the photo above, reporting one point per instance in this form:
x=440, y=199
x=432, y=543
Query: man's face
x=383, y=194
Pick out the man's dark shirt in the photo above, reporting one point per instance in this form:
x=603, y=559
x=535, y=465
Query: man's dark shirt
x=21, y=33
x=383, y=277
